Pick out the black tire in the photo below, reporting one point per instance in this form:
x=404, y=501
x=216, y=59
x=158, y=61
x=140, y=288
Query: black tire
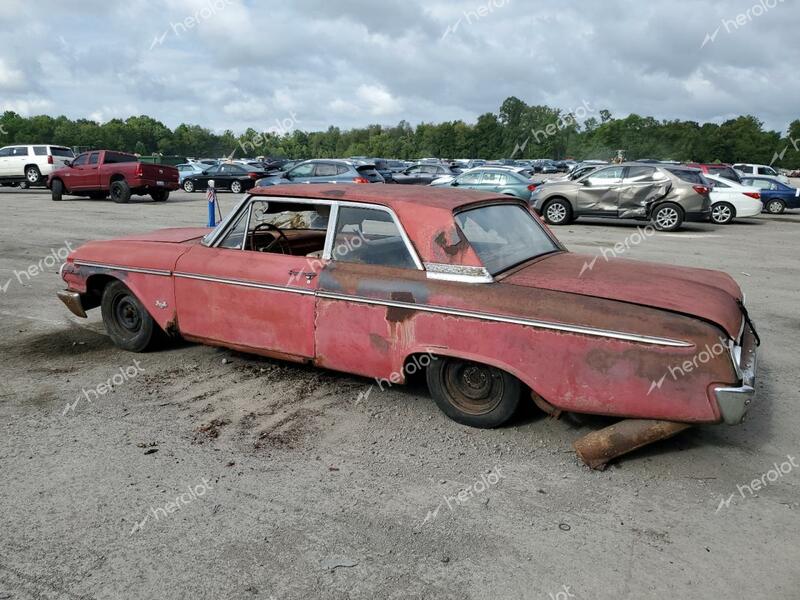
x=722, y=213
x=557, y=212
x=120, y=191
x=236, y=186
x=127, y=322
x=188, y=185
x=472, y=393
x=98, y=195
x=775, y=207
x=667, y=217
x=57, y=190
x=160, y=195
x=32, y=175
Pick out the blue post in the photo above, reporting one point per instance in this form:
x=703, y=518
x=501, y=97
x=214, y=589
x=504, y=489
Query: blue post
x=211, y=195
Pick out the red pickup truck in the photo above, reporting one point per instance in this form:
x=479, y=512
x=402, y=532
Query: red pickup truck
x=100, y=173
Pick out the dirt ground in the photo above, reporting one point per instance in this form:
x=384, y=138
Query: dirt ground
x=204, y=473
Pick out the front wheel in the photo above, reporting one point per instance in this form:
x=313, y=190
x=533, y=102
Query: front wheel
x=188, y=186
x=775, y=207
x=667, y=217
x=127, y=322
x=557, y=212
x=722, y=213
x=471, y=393
x=57, y=190
x=236, y=187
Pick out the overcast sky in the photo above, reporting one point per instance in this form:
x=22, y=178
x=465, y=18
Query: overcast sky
x=233, y=64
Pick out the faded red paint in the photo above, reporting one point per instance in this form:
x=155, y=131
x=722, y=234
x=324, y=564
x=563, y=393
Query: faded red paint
x=570, y=371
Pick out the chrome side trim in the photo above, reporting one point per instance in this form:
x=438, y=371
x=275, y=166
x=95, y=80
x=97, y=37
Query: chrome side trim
x=327, y=250
x=460, y=273
x=591, y=331
x=119, y=268
x=245, y=283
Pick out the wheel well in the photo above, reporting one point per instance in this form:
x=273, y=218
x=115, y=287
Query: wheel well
x=33, y=165
x=655, y=206
x=554, y=198
x=116, y=177
x=95, y=285
x=52, y=181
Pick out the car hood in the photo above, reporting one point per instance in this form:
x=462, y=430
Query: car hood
x=175, y=235
x=700, y=293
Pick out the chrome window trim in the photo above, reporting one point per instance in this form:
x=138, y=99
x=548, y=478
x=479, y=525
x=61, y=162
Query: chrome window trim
x=327, y=250
x=460, y=273
x=160, y=272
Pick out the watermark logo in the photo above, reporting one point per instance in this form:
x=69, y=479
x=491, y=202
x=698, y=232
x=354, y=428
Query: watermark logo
x=343, y=246
x=210, y=10
x=465, y=495
x=770, y=476
x=793, y=143
x=184, y=499
x=117, y=379
x=563, y=594
x=471, y=16
x=3, y=130
x=56, y=257
x=634, y=239
x=704, y=356
x=281, y=128
x=568, y=119
x=740, y=20
x=417, y=364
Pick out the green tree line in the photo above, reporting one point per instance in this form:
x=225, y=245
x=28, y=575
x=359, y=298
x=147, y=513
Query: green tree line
x=517, y=130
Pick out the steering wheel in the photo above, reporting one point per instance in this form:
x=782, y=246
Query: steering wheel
x=281, y=239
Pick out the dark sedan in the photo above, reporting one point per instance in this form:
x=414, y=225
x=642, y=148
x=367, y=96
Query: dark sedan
x=227, y=176
x=424, y=174
x=776, y=196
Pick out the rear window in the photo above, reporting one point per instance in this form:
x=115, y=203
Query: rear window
x=688, y=176
x=59, y=151
x=119, y=157
x=40, y=150
x=725, y=172
x=504, y=235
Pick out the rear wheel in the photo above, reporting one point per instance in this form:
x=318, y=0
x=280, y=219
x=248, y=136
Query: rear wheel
x=160, y=195
x=188, y=185
x=57, y=190
x=557, y=212
x=120, y=192
x=722, y=213
x=775, y=207
x=667, y=217
x=127, y=322
x=32, y=174
x=236, y=187
x=471, y=393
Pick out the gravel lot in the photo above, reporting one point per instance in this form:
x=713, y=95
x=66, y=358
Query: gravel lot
x=306, y=483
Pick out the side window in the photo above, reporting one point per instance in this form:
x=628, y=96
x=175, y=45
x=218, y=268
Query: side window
x=325, y=170
x=766, y=171
x=639, y=174
x=341, y=169
x=40, y=150
x=81, y=160
x=719, y=184
x=21, y=151
x=235, y=235
x=470, y=178
x=369, y=236
x=93, y=158
x=304, y=170
x=606, y=175
x=6, y=151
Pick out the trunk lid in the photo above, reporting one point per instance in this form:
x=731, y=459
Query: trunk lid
x=701, y=293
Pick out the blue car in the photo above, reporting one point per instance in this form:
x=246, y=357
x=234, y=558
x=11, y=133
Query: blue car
x=325, y=170
x=776, y=196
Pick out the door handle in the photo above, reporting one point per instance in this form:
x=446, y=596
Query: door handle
x=309, y=275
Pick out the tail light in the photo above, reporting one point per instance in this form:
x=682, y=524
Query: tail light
x=360, y=180
x=253, y=175
x=532, y=187
x=755, y=195
x=702, y=190
x=49, y=159
x=139, y=170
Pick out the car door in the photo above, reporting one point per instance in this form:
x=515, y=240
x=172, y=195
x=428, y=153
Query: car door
x=640, y=186
x=258, y=301
x=5, y=161
x=599, y=192
x=201, y=179
x=324, y=172
x=72, y=175
x=372, y=266
x=411, y=175
x=90, y=172
x=302, y=173
x=20, y=156
x=471, y=181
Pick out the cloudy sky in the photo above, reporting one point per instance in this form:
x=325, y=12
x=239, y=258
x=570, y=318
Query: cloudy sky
x=233, y=64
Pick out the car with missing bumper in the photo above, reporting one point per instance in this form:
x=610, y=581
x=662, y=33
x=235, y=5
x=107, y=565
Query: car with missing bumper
x=665, y=195
x=366, y=279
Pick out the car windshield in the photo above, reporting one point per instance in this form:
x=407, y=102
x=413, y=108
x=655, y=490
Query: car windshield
x=504, y=235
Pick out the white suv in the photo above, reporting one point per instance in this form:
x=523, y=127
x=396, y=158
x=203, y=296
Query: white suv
x=31, y=163
x=751, y=169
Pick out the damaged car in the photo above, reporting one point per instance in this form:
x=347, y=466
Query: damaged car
x=369, y=279
x=666, y=195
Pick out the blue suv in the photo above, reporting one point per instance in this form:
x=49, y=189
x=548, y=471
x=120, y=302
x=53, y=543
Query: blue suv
x=325, y=170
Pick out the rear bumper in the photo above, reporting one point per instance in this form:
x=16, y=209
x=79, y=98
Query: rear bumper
x=73, y=302
x=734, y=402
x=152, y=185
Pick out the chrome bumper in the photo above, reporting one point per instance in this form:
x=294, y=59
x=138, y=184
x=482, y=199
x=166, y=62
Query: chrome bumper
x=734, y=402
x=73, y=302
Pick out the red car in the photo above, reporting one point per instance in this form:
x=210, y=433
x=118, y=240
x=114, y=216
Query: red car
x=101, y=173
x=371, y=279
x=719, y=169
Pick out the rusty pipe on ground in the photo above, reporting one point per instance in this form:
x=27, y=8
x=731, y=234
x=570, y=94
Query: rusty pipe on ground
x=599, y=447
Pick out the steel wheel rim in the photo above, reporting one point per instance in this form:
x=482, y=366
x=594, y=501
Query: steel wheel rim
x=556, y=212
x=127, y=314
x=473, y=388
x=667, y=217
x=721, y=214
x=32, y=176
x=774, y=207
x=188, y=186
